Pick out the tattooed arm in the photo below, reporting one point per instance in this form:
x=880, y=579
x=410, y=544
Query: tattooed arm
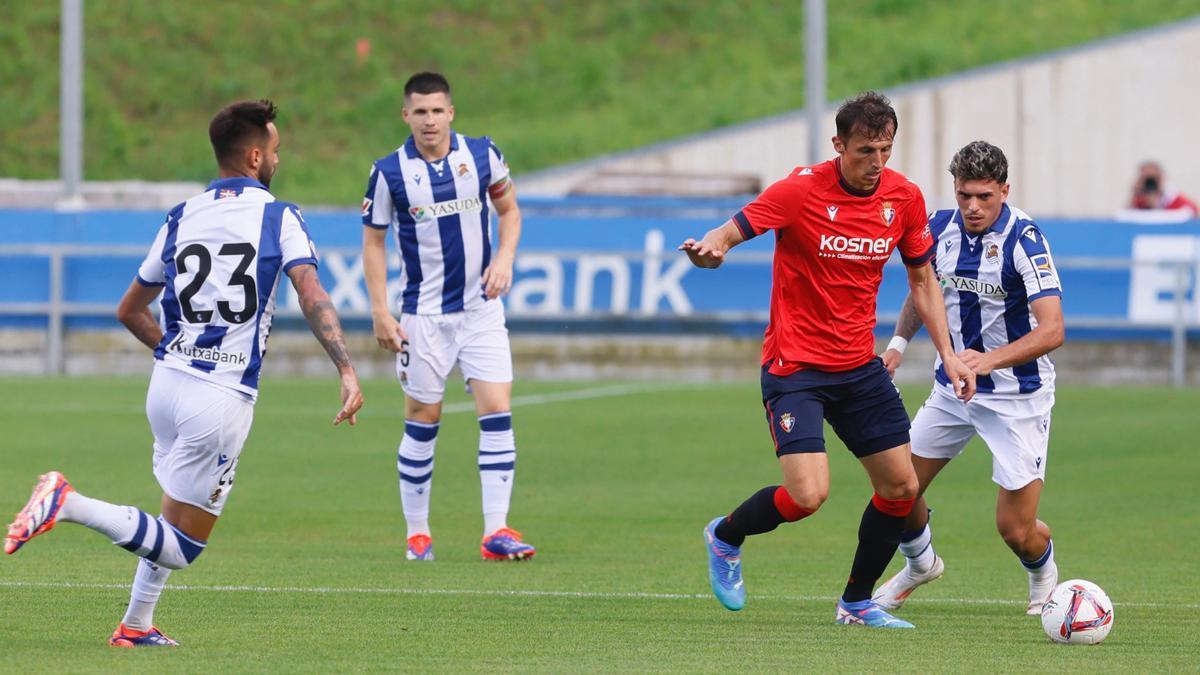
x=323, y=320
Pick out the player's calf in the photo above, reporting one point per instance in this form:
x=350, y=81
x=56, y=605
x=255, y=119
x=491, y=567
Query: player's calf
x=764, y=511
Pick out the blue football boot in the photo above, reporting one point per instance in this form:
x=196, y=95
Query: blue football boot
x=724, y=569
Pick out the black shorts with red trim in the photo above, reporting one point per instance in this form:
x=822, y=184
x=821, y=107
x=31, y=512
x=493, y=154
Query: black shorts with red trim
x=862, y=405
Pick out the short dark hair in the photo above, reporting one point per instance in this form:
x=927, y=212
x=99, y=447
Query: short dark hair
x=427, y=83
x=239, y=126
x=980, y=160
x=870, y=113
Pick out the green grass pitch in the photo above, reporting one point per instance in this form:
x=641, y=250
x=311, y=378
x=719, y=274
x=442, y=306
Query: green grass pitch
x=306, y=570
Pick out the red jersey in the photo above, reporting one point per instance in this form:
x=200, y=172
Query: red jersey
x=831, y=242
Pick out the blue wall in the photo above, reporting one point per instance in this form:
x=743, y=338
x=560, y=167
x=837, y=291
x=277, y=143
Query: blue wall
x=546, y=281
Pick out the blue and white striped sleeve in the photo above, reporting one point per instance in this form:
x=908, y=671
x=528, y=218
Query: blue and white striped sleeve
x=1032, y=260
x=152, y=272
x=295, y=246
x=498, y=166
x=377, y=202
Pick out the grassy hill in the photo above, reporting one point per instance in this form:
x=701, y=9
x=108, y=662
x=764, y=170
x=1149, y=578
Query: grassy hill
x=550, y=81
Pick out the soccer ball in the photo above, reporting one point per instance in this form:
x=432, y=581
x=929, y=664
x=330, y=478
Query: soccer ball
x=1077, y=613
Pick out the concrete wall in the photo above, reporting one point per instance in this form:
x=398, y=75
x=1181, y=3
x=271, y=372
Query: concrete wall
x=1074, y=125
x=574, y=356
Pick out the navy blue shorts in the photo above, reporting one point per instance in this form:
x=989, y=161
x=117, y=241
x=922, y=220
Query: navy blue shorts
x=861, y=404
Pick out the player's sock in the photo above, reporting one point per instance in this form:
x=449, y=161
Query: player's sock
x=148, y=583
x=134, y=530
x=764, y=511
x=118, y=523
x=415, y=464
x=497, y=466
x=1043, y=563
x=917, y=547
x=878, y=538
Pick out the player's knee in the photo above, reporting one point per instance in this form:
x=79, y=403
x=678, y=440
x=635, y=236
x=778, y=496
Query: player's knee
x=806, y=498
x=901, y=488
x=176, y=550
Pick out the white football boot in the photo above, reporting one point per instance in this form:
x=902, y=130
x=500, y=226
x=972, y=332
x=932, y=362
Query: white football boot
x=892, y=594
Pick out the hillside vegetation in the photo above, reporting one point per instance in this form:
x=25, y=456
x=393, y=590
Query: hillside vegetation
x=551, y=81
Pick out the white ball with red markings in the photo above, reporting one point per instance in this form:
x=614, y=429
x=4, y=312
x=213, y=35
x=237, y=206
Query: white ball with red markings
x=1077, y=613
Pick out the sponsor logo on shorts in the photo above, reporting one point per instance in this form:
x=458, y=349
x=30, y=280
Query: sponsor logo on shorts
x=786, y=422
x=214, y=497
x=443, y=209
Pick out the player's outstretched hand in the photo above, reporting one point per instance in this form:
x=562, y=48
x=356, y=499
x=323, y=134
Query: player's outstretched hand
x=388, y=333
x=891, y=361
x=352, y=399
x=497, y=278
x=962, y=377
x=702, y=254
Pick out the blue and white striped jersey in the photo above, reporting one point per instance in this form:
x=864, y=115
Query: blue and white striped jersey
x=988, y=282
x=218, y=258
x=440, y=210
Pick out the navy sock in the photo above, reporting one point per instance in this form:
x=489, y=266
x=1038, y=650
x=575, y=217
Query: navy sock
x=878, y=537
x=756, y=515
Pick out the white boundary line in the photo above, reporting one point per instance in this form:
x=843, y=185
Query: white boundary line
x=587, y=595
x=524, y=401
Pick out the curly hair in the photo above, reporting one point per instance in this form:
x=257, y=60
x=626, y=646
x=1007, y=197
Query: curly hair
x=980, y=160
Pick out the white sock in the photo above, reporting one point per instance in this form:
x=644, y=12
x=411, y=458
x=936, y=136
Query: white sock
x=133, y=530
x=148, y=583
x=414, y=461
x=497, y=462
x=1044, y=566
x=118, y=523
x=919, y=550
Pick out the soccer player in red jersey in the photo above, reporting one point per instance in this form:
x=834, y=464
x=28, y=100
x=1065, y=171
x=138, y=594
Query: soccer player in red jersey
x=835, y=225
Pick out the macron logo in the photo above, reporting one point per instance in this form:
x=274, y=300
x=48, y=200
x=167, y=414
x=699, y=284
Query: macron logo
x=832, y=213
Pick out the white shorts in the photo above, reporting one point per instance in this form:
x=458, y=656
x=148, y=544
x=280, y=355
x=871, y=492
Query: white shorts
x=199, y=429
x=477, y=340
x=1016, y=430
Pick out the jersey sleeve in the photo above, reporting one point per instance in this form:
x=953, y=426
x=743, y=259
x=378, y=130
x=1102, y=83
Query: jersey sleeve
x=500, y=181
x=152, y=272
x=498, y=166
x=1032, y=260
x=377, y=203
x=777, y=207
x=295, y=246
x=916, y=242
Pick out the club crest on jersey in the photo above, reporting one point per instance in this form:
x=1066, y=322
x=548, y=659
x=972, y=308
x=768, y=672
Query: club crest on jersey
x=463, y=170
x=786, y=422
x=888, y=213
x=226, y=193
x=992, y=253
